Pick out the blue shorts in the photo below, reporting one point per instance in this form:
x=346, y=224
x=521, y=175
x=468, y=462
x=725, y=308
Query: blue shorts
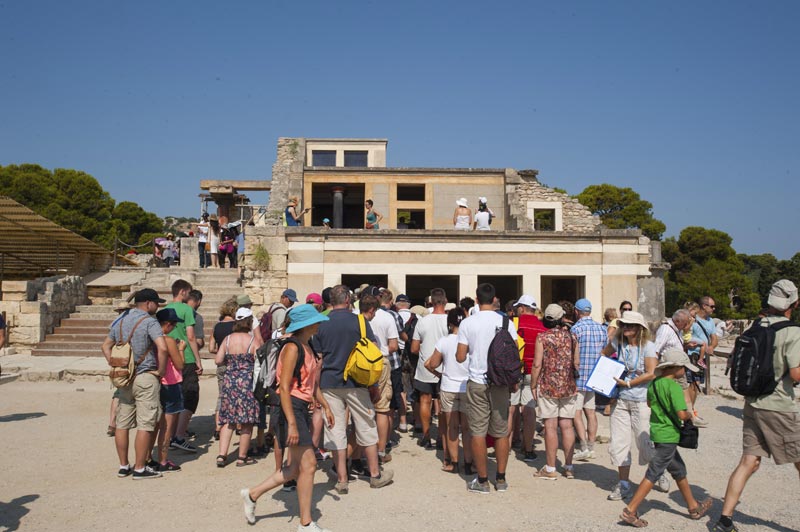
x=172, y=398
x=699, y=377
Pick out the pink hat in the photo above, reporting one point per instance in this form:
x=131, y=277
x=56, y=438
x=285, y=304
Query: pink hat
x=314, y=298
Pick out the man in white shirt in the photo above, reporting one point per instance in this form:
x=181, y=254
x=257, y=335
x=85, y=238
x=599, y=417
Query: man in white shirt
x=670, y=334
x=487, y=404
x=384, y=327
x=426, y=334
x=202, y=240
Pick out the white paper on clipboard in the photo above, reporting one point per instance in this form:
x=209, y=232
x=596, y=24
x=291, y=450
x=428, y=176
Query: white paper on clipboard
x=605, y=370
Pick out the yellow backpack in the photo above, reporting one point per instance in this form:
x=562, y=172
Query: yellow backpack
x=365, y=364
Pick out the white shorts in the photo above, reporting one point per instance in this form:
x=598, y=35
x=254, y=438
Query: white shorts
x=585, y=400
x=563, y=407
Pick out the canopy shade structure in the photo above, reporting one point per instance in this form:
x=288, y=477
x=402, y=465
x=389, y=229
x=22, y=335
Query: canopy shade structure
x=31, y=245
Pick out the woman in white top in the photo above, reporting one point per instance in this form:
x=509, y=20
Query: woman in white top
x=462, y=217
x=483, y=218
x=452, y=392
x=213, y=239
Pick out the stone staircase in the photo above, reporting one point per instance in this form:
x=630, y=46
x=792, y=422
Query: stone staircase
x=82, y=333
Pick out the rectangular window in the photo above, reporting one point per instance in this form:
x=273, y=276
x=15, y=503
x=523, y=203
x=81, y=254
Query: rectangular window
x=323, y=158
x=411, y=192
x=544, y=219
x=411, y=219
x=355, y=159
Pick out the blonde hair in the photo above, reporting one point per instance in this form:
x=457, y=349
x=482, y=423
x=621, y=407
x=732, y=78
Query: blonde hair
x=643, y=335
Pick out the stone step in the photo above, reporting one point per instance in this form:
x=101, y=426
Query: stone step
x=79, y=330
x=94, y=351
x=95, y=308
x=93, y=316
x=82, y=323
x=82, y=337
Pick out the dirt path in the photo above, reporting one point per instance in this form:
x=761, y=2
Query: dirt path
x=59, y=473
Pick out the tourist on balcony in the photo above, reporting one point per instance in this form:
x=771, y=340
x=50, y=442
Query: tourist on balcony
x=462, y=217
x=483, y=218
x=373, y=217
x=291, y=217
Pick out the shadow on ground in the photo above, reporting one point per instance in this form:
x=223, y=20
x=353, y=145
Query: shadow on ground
x=22, y=416
x=12, y=512
x=731, y=411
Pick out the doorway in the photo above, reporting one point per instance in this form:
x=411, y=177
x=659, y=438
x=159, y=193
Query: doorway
x=353, y=208
x=507, y=287
x=418, y=287
x=562, y=288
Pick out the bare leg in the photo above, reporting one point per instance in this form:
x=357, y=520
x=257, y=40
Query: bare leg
x=384, y=422
x=112, y=417
x=183, y=423
x=736, y=483
x=686, y=491
x=371, y=452
x=645, y=486
x=442, y=427
x=121, y=443
x=451, y=442
x=425, y=400
x=340, y=459
x=245, y=434
x=567, y=439
x=317, y=428
x=466, y=438
x=273, y=481
x=143, y=445
x=479, y=455
x=501, y=447
x=624, y=472
x=225, y=435
x=551, y=440
x=580, y=428
x=591, y=422
x=305, y=480
x=528, y=428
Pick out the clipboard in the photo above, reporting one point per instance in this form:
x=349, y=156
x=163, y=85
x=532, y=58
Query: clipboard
x=601, y=379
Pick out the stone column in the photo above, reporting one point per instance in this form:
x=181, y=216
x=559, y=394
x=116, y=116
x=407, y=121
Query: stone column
x=338, y=206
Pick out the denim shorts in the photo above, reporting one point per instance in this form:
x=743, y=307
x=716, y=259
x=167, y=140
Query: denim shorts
x=171, y=398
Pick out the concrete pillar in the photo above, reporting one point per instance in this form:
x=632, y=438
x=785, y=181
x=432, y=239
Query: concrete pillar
x=467, y=285
x=338, y=206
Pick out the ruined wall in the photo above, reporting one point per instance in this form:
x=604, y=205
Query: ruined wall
x=265, y=261
x=287, y=177
x=523, y=187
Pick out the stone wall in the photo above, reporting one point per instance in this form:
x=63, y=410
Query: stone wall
x=265, y=285
x=523, y=186
x=35, y=308
x=287, y=177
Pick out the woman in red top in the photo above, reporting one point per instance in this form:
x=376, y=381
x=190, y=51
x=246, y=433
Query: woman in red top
x=294, y=422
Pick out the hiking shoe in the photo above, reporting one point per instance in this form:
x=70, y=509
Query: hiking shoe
x=342, y=488
x=568, y=473
x=662, y=484
x=249, y=506
x=384, y=480
x=183, y=445
x=545, y=474
x=719, y=527
x=147, y=473
x=478, y=487
x=501, y=485
x=311, y=527
x=169, y=467
x=530, y=456
x=289, y=485
x=124, y=471
x=619, y=492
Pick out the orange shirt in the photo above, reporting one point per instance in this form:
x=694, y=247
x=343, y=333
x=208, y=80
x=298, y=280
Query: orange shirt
x=309, y=376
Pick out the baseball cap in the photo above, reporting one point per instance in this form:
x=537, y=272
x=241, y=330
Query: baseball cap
x=291, y=294
x=314, y=298
x=148, y=294
x=554, y=311
x=243, y=300
x=583, y=305
x=326, y=295
x=168, y=314
x=402, y=298
x=526, y=300
x=782, y=294
x=243, y=313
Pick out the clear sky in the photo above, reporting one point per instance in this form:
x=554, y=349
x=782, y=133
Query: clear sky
x=692, y=104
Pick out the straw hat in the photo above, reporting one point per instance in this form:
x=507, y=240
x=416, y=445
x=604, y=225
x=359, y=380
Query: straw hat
x=633, y=317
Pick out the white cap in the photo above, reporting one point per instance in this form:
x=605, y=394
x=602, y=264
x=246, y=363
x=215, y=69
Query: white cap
x=782, y=294
x=526, y=300
x=243, y=313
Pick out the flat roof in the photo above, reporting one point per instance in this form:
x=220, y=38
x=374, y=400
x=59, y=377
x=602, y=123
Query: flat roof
x=403, y=169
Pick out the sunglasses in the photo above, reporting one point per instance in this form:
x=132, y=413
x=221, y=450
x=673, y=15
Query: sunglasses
x=627, y=309
x=630, y=325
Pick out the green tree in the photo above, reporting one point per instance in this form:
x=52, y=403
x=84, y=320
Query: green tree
x=762, y=271
x=137, y=220
x=704, y=263
x=622, y=208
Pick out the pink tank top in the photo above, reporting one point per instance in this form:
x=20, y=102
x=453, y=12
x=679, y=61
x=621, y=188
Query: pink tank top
x=309, y=375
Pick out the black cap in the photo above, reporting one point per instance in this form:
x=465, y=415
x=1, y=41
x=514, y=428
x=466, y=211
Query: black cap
x=401, y=298
x=147, y=294
x=326, y=295
x=168, y=314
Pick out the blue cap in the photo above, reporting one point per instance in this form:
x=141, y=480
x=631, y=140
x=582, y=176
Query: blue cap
x=326, y=220
x=291, y=294
x=302, y=316
x=583, y=305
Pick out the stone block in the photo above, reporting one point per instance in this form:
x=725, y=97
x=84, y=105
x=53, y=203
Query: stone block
x=29, y=320
x=278, y=263
x=15, y=296
x=24, y=335
x=15, y=286
x=32, y=307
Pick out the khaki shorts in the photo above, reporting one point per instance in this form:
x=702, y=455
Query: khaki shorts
x=563, y=407
x=769, y=433
x=361, y=413
x=585, y=400
x=384, y=400
x=140, y=404
x=487, y=409
x=523, y=396
x=453, y=401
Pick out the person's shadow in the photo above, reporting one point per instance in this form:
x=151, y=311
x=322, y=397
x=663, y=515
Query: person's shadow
x=731, y=411
x=21, y=416
x=289, y=499
x=11, y=513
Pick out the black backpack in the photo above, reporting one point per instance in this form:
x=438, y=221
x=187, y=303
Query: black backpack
x=751, y=363
x=503, y=366
x=409, y=328
x=265, y=376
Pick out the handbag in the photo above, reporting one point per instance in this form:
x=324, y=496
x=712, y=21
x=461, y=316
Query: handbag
x=688, y=433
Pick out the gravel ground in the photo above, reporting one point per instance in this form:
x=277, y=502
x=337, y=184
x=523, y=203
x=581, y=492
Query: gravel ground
x=59, y=473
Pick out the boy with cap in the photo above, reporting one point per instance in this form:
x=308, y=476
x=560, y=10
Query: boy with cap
x=667, y=404
x=771, y=425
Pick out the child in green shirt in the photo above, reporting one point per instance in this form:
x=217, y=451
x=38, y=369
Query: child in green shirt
x=665, y=399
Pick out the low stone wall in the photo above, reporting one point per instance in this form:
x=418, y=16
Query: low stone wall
x=264, y=283
x=35, y=308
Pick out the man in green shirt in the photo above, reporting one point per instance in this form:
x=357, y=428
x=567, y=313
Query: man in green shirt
x=192, y=367
x=770, y=422
x=667, y=411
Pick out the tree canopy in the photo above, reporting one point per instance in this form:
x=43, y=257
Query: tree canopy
x=76, y=201
x=622, y=208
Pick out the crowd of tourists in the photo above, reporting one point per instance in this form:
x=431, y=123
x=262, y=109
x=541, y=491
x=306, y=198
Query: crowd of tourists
x=441, y=382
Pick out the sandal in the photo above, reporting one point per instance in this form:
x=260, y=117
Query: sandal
x=222, y=460
x=449, y=466
x=111, y=430
x=245, y=461
x=632, y=519
x=701, y=509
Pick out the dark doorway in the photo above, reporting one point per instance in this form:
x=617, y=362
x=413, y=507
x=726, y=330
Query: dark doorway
x=322, y=205
x=507, y=287
x=555, y=289
x=411, y=218
x=353, y=281
x=418, y=287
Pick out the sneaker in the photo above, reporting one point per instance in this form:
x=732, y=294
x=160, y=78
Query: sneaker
x=530, y=456
x=568, y=473
x=124, y=471
x=719, y=527
x=545, y=474
x=478, y=487
x=386, y=458
x=501, y=485
x=311, y=527
x=384, y=480
x=183, y=445
x=154, y=465
x=249, y=506
x=169, y=467
x=619, y=492
x=582, y=455
x=342, y=488
x=697, y=421
x=402, y=427
x=350, y=476
x=359, y=469
x=147, y=473
x=289, y=485
x=662, y=484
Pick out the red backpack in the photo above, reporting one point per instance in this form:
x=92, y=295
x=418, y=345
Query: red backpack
x=265, y=325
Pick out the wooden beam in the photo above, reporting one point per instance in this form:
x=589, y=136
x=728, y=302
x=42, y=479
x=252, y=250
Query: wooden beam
x=210, y=184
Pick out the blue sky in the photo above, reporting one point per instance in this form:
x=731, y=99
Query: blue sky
x=692, y=104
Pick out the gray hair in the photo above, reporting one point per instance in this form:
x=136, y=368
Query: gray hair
x=681, y=314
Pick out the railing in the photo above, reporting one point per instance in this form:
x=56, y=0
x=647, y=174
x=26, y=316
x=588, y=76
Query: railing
x=119, y=244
